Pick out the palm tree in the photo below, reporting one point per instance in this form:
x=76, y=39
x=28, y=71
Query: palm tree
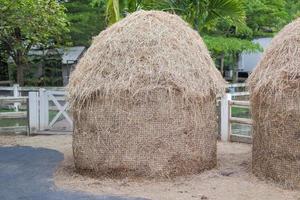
x=199, y=13
x=205, y=13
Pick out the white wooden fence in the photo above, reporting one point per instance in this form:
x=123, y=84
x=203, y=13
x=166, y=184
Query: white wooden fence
x=46, y=102
x=14, y=115
x=46, y=107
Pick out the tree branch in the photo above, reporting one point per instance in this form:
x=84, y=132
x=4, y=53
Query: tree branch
x=9, y=48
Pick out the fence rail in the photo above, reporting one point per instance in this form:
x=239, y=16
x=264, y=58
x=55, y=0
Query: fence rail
x=13, y=99
x=28, y=89
x=239, y=103
x=13, y=115
x=14, y=129
x=240, y=120
x=236, y=85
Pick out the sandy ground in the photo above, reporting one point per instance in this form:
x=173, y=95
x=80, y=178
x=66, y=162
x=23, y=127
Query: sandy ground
x=231, y=180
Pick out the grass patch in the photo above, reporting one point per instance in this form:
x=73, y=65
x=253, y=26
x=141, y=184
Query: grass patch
x=240, y=112
x=6, y=110
x=52, y=114
x=13, y=122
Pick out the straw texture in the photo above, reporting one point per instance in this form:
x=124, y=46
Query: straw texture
x=144, y=100
x=275, y=103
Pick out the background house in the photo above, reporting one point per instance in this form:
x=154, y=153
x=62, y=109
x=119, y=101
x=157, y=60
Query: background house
x=248, y=61
x=70, y=57
x=56, y=63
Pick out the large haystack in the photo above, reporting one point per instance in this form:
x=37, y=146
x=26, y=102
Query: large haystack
x=144, y=100
x=275, y=102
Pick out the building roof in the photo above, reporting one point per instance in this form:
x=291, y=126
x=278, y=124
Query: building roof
x=70, y=55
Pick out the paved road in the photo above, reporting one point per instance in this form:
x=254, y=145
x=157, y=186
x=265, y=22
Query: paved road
x=26, y=173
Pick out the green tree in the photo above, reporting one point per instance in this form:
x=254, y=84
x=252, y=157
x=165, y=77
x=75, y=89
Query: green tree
x=24, y=23
x=117, y=9
x=85, y=21
x=293, y=8
x=266, y=16
x=229, y=47
x=205, y=14
x=200, y=14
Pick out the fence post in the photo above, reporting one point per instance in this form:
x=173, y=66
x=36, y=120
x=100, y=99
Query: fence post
x=33, y=112
x=16, y=94
x=44, y=109
x=225, y=117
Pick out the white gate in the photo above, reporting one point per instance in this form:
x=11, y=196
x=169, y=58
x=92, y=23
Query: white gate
x=48, y=112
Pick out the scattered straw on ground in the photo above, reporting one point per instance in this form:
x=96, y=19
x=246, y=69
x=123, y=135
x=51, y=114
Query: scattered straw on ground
x=232, y=180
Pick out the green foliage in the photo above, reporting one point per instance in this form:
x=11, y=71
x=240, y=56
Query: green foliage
x=200, y=14
x=49, y=68
x=225, y=50
x=293, y=8
x=24, y=23
x=240, y=112
x=205, y=14
x=3, y=63
x=45, y=68
x=219, y=44
x=37, y=22
x=85, y=21
x=117, y=9
x=266, y=16
x=228, y=27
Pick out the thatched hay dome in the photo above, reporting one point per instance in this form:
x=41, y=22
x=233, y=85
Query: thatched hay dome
x=275, y=105
x=144, y=99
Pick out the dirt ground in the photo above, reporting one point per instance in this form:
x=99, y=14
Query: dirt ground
x=231, y=180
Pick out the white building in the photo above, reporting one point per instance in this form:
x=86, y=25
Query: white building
x=248, y=61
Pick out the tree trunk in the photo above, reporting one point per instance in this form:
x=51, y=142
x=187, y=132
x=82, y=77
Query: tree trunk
x=235, y=68
x=21, y=64
x=20, y=59
x=20, y=74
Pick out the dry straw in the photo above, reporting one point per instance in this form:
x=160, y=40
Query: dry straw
x=143, y=98
x=275, y=105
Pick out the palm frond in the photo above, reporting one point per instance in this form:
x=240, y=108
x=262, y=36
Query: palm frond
x=112, y=11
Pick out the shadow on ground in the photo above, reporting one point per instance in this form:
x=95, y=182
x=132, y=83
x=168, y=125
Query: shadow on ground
x=26, y=173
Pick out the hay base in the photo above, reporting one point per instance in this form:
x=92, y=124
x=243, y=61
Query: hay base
x=160, y=137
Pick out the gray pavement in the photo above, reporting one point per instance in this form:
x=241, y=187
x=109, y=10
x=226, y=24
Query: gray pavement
x=26, y=173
